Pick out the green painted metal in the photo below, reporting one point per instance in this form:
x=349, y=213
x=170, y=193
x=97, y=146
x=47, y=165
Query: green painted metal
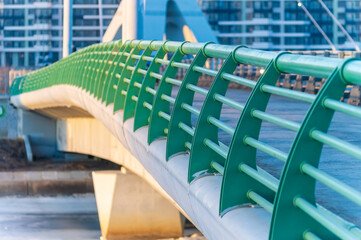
x=93, y=64
x=159, y=124
x=126, y=74
x=142, y=113
x=2, y=112
x=82, y=66
x=110, y=71
x=98, y=68
x=104, y=69
x=133, y=89
x=178, y=137
x=85, y=67
x=288, y=196
x=118, y=68
x=117, y=73
x=201, y=155
x=237, y=193
x=90, y=67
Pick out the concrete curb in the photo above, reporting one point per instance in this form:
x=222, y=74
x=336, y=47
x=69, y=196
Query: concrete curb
x=28, y=183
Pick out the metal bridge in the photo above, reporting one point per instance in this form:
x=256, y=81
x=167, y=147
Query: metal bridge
x=132, y=89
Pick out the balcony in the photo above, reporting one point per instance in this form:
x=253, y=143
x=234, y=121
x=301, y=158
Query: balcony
x=40, y=4
x=262, y=33
x=262, y=45
x=42, y=48
x=254, y=21
x=42, y=26
x=42, y=37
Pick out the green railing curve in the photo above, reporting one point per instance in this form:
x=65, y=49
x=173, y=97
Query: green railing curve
x=140, y=78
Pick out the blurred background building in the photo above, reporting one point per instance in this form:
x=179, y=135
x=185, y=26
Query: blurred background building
x=283, y=24
x=31, y=30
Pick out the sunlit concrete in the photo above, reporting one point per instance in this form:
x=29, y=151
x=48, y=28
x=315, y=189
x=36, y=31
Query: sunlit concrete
x=128, y=206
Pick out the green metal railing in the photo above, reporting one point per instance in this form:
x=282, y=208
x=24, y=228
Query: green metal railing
x=129, y=76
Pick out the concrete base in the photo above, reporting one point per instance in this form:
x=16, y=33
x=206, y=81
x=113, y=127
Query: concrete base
x=35, y=183
x=128, y=206
x=41, y=131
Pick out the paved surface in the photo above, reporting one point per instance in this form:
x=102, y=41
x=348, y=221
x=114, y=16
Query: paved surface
x=49, y=218
x=55, y=218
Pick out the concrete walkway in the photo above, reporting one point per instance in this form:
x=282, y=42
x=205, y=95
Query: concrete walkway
x=56, y=218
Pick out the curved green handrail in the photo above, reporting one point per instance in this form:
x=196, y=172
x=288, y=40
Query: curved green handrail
x=126, y=75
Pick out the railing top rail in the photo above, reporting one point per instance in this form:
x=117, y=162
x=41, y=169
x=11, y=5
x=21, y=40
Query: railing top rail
x=318, y=66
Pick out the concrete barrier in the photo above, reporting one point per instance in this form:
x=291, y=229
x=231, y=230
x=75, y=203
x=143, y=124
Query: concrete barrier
x=30, y=183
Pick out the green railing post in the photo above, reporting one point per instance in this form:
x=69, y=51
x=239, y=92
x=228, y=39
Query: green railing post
x=201, y=155
x=125, y=76
x=145, y=96
x=135, y=83
x=116, y=72
x=99, y=65
x=178, y=140
x=85, y=67
x=104, y=71
x=294, y=184
x=110, y=72
x=236, y=184
x=157, y=124
x=91, y=67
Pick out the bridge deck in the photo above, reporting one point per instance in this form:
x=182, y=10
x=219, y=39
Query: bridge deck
x=120, y=80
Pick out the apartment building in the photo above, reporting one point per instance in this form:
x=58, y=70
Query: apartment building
x=31, y=30
x=283, y=24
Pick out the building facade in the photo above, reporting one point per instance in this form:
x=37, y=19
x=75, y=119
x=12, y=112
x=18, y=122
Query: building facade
x=283, y=24
x=31, y=30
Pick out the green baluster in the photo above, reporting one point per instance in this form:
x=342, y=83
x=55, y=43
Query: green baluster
x=116, y=73
x=100, y=62
x=109, y=72
x=73, y=66
x=90, y=73
x=77, y=67
x=133, y=89
x=236, y=184
x=202, y=156
x=145, y=96
x=125, y=76
x=293, y=183
x=178, y=139
x=157, y=124
x=104, y=71
x=85, y=67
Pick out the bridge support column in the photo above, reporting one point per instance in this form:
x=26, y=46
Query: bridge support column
x=41, y=131
x=128, y=206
